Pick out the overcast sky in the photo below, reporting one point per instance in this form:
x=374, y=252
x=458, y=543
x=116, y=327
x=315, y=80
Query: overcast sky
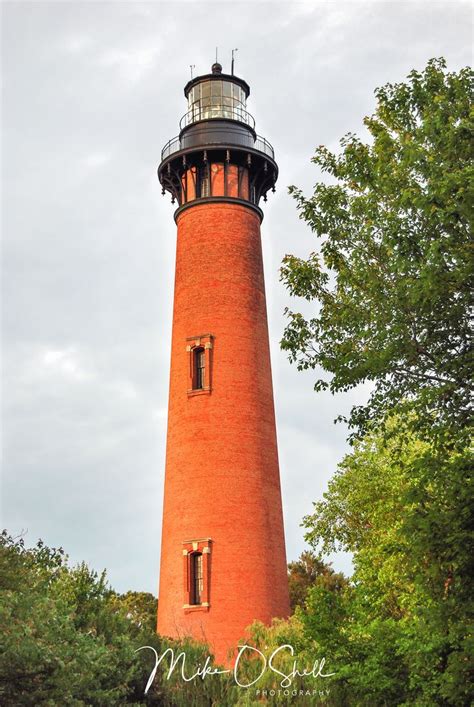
x=91, y=92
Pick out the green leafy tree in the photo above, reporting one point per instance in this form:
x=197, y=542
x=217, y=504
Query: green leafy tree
x=400, y=632
x=63, y=638
x=304, y=690
x=393, y=286
x=393, y=277
x=139, y=607
x=307, y=571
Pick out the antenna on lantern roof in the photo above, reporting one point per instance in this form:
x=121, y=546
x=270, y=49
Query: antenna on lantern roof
x=232, y=64
x=216, y=68
x=192, y=66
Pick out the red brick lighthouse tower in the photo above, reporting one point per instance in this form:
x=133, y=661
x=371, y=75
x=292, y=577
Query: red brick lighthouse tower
x=223, y=561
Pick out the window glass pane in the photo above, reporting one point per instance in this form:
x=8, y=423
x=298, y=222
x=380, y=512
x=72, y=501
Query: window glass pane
x=199, y=366
x=197, y=581
x=235, y=93
x=205, y=89
x=227, y=88
x=216, y=88
x=227, y=106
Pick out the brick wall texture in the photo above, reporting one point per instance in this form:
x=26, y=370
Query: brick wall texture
x=222, y=476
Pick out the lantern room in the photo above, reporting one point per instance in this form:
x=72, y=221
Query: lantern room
x=217, y=95
x=217, y=154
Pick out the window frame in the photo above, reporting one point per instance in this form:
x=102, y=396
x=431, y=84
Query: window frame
x=192, y=549
x=204, y=343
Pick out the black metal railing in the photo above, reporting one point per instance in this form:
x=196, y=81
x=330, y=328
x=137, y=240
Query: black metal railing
x=208, y=112
x=171, y=146
x=174, y=145
x=263, y=145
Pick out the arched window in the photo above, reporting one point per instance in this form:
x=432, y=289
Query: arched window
x=196, y=568
x=199, y=368
x=197, y=583
x=199, y=364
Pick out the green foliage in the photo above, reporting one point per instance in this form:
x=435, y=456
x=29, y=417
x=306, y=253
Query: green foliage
x=393, y=278
x=400, y=631
x=393, y=287
x=139, y=607
x=171, y=690
x=306, y=691
x=308, y=571
x=62, y=640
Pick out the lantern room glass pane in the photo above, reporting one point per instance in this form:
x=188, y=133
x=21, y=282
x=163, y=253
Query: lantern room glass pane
x=239, y=95
x=216, y=99
x=193, y=96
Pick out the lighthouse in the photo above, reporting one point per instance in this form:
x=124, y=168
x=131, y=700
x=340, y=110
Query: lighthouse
x=223, y=560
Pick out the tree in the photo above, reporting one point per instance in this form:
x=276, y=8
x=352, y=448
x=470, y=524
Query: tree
x=393, y=278
x=308, y=571
x=63, y=640
x=392, y=283
x=139, y=607
x=400, y=631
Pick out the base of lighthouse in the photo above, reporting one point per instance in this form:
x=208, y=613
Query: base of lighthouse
x=223, y=562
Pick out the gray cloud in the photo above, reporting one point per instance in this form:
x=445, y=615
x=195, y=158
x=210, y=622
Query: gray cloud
x=91, y=92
